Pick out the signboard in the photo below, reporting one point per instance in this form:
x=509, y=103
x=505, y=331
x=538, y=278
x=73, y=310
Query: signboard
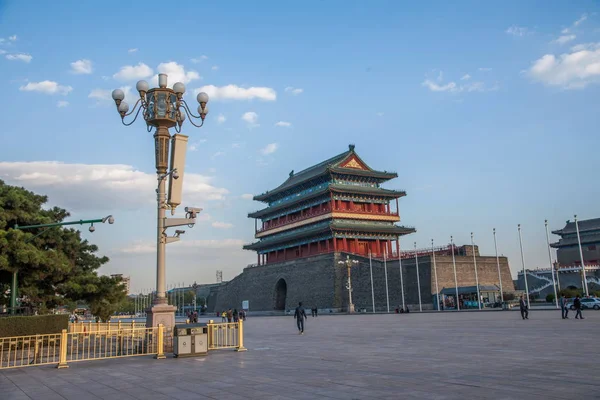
x=245, y=305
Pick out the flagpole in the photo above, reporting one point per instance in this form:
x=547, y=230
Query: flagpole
x=387, y=294
x=418, y=279
x=457, y=305
x=498, y=264
x=523, y=263
x=476, y=277
x=437, y=290
x=585, y=285
x=551, y=265
x=372, y=288
x=401, y=278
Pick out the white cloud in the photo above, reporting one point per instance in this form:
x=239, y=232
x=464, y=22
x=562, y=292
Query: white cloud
x=221, y=118
x=12, y=38
x=101, y=186
x=434, y=87
x=465, y=77
x=484, y=69
x=215, y=68
x=62, y=103
x=81, y=67
x=283, y=124
x=143, y=246
x=293, y=90
x=234, y=92
x=251, y=118
x=269, y=149
x=565, y=39
x=194, y=146
x=222, y=225
x=132, y=50
x=218, y=154
x=454, y=88
x=574, y=70
x=133, y=72
x=580, y=20
x=47, y=87
x=236, y=145
x=2, y=51
x=176, y=73
x=19, y=57
x=247, y=196
x=199, y=59
x=517, y=31
x=104, y=96
x=380, y=114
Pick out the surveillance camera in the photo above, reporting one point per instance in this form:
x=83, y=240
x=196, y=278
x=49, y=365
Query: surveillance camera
x=192, y=210
x=175, y=175
x=92, y=228
x=179, y=232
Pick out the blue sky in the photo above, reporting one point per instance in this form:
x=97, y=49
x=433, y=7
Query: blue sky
x=488, y=112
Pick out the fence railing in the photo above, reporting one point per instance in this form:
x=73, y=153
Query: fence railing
x=93, y=344
x=90, y=327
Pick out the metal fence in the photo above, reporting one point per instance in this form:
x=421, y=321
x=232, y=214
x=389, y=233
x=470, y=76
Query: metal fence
x=90, y=327
x=86, y=342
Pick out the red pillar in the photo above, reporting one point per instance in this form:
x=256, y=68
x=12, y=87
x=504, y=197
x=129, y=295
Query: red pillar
x=345, y=242
x=377, y=247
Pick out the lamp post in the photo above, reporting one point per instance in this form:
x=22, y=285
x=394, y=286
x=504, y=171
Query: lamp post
x=498, y=265
x=348, y=263
x=13, y=290
x=551, y=264
x=584, y=278
x=476, y=276
x=457, y=305
x=418, y=279
x=523, y=263
x=163, y=108
x=437, y=290
x=194, y=288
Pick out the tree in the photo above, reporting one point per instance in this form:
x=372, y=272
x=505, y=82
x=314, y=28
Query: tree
x=55, y=266
x=550, y=298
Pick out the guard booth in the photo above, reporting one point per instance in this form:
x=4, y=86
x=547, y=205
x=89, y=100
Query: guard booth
x=190, y=340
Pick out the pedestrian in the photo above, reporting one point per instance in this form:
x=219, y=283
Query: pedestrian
x=300, y=316
x=577, y=305
x=316, y=311
x=224, y=316
x=523, y=308
x=229, y=316
x=195, y=317
x=564, y=310
x=236, y=315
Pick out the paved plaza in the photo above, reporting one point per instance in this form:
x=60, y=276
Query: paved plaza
x=476, y=355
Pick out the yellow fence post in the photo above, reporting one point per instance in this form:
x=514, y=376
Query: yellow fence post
x=62, y=363
x=240, y=337
x=160, y=351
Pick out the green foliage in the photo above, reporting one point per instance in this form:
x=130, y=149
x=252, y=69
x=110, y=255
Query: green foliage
x=550, y=298
x=570, y=291
x=39, y=324
x=55, y=266
x=508, y=296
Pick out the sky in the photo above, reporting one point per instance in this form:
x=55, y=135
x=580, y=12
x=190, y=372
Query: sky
x=489, y=113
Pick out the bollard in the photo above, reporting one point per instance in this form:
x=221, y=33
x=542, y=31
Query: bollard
x=62, y=363
x=241, y=337
x=160, y=351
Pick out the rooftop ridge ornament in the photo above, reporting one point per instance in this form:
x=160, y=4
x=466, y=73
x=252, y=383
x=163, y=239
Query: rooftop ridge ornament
x=161, y=106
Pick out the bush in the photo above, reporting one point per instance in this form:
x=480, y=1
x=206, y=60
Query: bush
x=39, y=324
x=550, y=298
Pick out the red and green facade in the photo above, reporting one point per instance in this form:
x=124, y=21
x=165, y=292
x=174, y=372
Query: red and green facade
x=336, y=205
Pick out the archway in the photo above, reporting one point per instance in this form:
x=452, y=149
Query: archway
x=280, y=294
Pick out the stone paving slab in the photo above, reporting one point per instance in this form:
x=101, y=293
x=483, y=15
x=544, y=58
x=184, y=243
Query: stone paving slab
x=450, y=355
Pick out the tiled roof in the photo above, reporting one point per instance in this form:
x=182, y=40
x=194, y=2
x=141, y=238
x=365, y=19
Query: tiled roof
x=584, y=225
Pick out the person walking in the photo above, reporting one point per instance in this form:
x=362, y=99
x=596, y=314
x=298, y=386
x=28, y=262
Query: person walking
x=563, y=307
x=523, y=308
x=300, y=316
x=577, y=305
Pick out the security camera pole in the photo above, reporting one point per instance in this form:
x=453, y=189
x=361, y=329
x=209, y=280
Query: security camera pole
x=13, y=289
x=163, y=108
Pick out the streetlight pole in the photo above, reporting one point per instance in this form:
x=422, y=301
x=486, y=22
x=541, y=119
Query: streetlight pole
x=523, y=263
x=585, y=285
x=476, y=276
x=164, y=108
x=457, y=305
x=14, y=286
x=418, y=278
x=551, y=264
x=498, y=264
x=348, y=263
x=437, y=290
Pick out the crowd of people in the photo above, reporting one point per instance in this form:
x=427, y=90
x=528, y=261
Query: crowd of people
x=232, y=315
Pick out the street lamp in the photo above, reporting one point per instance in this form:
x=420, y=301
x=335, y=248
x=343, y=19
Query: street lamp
x=163, y=108
x=348, y=263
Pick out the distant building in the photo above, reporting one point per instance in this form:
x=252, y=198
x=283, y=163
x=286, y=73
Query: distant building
x=126, y=280
x=568, y=248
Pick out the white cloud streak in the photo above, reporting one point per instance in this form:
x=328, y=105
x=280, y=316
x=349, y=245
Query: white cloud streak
x=81, y=67
x=62, y=104
x=251, y=118
x=574, y=70
x=19, y=57
x=133, y=72
x=283, y=124
x=221, y=118
x=517, y=31
x=221, y=225
x=293, y=90
x=46, y=87
x=234, y=92
x=269, y=149
x=176, y=73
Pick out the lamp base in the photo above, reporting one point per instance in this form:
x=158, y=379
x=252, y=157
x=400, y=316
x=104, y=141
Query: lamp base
x=161, y=314
x=350, y=308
